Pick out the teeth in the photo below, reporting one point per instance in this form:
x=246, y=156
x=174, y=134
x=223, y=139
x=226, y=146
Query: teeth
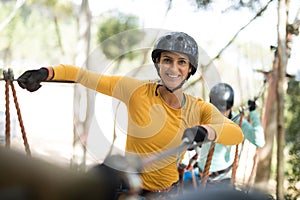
x=173, y=76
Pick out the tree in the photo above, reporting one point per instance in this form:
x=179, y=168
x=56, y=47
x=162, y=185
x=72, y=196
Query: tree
x=34, y=25
x=292, y=138
x=282, y=63
x=84, y=99
x=275, y=101
x=274, y=113
x=7, y=28
x=55, y=9
x=113, y=45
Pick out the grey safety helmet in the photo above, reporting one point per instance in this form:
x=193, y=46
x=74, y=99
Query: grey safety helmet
x=177, y=42
x=221, y=95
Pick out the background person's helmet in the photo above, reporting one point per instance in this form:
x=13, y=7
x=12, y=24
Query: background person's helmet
x=222, y=96
x=177, y=42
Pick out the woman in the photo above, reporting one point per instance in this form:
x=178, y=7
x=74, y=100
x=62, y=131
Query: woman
x=159, y=113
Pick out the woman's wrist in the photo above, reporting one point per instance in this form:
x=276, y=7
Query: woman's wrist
x=50, y=73
x=211, y=133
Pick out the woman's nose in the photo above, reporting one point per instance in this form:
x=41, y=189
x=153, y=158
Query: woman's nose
x=174, y=65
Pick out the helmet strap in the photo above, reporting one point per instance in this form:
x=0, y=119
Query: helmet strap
x=168, y=89
x=158, y=85
x=176, y=88
x=230, y=115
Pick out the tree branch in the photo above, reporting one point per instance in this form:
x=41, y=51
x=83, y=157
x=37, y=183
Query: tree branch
x=19, y=4
x=229, y=43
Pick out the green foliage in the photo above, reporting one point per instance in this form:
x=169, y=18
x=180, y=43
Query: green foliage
x=7, y=32
x=293, y=139
x=114, y=42
x=30, y=37
x=56, y=6
x=293, y=108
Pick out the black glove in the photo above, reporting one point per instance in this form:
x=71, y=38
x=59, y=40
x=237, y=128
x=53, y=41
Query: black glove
x=252, y=105
x=31, y=79
x=196, y=133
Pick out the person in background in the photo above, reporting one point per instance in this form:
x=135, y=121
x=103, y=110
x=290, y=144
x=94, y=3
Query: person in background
x=160, y=114
x=222, y=96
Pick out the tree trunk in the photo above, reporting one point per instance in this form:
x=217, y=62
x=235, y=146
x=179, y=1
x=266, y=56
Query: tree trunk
x=282, y=55
x=269, y=124
x=84, y=99
x=273, y=120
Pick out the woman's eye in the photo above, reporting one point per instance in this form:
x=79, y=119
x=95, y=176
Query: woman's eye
x=167, y=60
x=182, y=62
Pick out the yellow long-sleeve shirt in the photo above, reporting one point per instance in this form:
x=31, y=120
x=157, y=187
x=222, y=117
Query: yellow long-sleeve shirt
x=153, y=126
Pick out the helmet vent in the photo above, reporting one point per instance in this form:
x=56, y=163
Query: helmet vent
x=180, y=38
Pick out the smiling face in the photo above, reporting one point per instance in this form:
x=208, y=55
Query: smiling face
x=174, y=68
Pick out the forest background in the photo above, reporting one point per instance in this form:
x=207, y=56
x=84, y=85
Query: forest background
x=238, y=41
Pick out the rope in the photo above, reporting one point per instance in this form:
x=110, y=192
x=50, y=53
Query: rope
x=8, y=77
x=236, y=155
x=7, y=114
x=207, y=165
x=27, y=149
x=190, y=168
x=253, y=171
x=235, y=165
